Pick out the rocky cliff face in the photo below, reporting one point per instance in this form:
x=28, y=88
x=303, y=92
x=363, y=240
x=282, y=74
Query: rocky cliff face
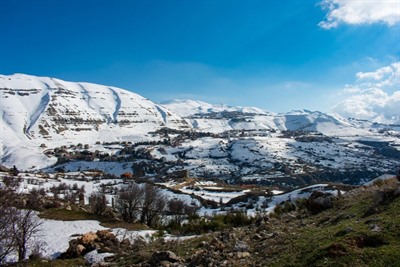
x=46, y=107
x=37, y=110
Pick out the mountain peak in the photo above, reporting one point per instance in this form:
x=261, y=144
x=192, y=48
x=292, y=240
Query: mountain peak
x=39, y=110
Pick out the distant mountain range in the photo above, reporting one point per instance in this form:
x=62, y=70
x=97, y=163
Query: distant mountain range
x=40, y=113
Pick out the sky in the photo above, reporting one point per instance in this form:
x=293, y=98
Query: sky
x=337, y=56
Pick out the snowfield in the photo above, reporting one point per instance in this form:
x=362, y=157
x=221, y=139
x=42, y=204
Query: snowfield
x=54, y=236
x=42, y=113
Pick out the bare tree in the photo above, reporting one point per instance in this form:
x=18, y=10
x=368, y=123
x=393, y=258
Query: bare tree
x=98, y=203
x=129, y=201
x=141, y=203
x=8, y=215
x=192, y=211
x=16, y=226
x=154, y=203
x=33, y=200
x=176, y=209
x=24, y=227
x=11, y=182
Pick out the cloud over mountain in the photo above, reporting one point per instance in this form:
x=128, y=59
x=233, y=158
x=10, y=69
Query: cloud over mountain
x=375, y=96
x=358, y=12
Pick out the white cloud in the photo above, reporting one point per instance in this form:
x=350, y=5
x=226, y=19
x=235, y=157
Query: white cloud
x=358, y=12
x=385, y=77
x=375, y=96
x=376, y=75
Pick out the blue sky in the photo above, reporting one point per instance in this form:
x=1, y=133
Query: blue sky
x=276, y=55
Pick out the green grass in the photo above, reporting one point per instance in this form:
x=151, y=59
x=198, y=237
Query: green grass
x=68, y=215
x=78, y=262
x=323, y=242
x=74, y=215
x=340, y=236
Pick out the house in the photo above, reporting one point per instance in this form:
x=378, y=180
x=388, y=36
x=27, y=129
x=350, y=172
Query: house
x=127, y=175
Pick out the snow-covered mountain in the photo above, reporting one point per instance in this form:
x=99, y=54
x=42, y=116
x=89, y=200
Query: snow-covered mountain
x=41, y=110
x=220, y=118
x=41, y=113
x=187, y=108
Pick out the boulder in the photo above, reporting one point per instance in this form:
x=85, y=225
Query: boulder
x=102, y=241
x=89, y=238
x=164, y=256
x=241, y=246
x=94, y=257
x=79, y=249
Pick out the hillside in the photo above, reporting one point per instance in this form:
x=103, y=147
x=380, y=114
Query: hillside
x=37, y=110
x=359, y=227
x=49, y=124
x=219, y=118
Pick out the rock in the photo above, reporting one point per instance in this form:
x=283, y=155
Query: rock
x=105, y=234
x=242, y=255
x=89, y=238
x=164, y=256
x=216, y=244
x=74, y=250
x=345, y=231
x=319, y=201
x=95, y=257
x=225, y=263
x=270, y=235
x=202, y=258
x=375, y=228
x=68, y=207
x=227, y=236
x=164, y=264
x=241, y=246
x=101, y=241
x=104, y=249
x=79, y=249
x=204, y=245
x=257, y=237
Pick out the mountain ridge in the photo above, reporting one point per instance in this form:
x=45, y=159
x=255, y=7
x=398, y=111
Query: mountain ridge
x=41, y=113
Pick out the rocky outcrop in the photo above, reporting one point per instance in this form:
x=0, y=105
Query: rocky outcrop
x=103, y=241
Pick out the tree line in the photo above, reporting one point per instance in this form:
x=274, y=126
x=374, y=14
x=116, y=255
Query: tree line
x=145, y=204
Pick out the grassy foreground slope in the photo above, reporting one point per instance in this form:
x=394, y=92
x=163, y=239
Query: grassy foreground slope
x=362, y=228
x=359, y=228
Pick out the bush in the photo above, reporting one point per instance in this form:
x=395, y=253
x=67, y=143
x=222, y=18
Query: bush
x=11, y=182
x=237, y=219
x=98, y=203
x=378, y=182
x=215, y=223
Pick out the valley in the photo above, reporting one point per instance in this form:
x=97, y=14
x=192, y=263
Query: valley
x=52, y=125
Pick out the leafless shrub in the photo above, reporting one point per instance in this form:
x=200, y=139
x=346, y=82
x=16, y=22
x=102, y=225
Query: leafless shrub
x=17, y=227
x=24, y=227
x=128, y=202
x=144, y=204
x=98, y=203
x=8, y=216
